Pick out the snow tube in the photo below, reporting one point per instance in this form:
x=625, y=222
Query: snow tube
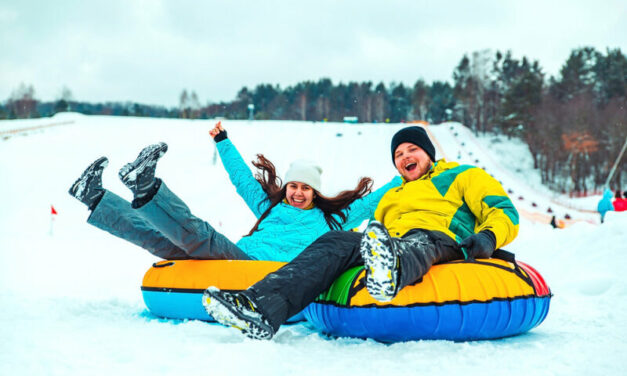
x=173, y=288
x=459, y=301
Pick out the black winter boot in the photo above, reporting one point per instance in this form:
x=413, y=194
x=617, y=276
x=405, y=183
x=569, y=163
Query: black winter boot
x=88, y=187
x=237, y=310
x=139, y=176
x=380, y=255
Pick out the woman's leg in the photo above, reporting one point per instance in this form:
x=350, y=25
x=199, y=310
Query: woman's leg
x=169, y=214
x=115, y=215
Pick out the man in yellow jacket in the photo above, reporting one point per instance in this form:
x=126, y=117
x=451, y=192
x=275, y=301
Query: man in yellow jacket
x=443, y=211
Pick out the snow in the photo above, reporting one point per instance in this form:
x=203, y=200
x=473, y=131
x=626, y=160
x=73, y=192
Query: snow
x=71, y=303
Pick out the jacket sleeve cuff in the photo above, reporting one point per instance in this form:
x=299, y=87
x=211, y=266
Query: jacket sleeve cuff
x=220, y=137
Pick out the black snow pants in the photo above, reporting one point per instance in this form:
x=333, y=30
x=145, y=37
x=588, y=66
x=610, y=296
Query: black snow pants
x=287, y=291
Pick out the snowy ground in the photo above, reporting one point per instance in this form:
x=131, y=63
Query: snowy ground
x=71, y=303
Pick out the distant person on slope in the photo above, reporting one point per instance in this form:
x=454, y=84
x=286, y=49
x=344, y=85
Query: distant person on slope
x=290, y=216
x=443, y=211
x=605, y=204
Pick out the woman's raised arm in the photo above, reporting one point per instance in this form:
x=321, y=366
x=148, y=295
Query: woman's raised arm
x=239, y=173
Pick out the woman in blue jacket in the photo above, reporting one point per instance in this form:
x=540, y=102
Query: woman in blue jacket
x=605, y=204
x=289, y=216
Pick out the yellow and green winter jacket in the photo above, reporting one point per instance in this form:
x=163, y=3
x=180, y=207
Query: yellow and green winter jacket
x=458, y=200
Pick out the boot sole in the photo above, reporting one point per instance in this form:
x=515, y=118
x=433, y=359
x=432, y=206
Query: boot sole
x=149, y=154
x=380, y=262
x=76, y=190
x=224, y=313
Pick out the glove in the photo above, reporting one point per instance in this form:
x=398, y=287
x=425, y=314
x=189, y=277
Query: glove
x=220, y=136
x=479, y=245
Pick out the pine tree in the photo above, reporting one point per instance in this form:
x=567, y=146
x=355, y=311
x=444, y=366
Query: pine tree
x=399, y=104
x=611, y=72
x=380, y=103
x=419, y=100
x=523, y=94
x=462, y=90
x=578, y=74
x=472, y=84
x=442, y=102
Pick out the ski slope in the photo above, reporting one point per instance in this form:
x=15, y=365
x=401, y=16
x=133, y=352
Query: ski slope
x=71, y=303
x=510, y=162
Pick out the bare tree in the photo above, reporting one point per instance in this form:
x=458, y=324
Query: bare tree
x=22, y=102
x=194, y=106
x=184, y=104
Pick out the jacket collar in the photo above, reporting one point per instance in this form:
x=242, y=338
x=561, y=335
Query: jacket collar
x=436, y=168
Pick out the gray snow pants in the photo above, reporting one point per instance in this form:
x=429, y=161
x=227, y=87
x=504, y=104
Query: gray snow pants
x=164, y=227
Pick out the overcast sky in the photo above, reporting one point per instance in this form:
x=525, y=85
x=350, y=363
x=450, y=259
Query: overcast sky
x=148, y=51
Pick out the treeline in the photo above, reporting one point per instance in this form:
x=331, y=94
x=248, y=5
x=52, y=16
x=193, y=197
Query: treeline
x=324, y=101
x=22, y=104
x=574, y=124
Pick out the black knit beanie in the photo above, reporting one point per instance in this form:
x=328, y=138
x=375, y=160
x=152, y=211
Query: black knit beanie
x=415, y=135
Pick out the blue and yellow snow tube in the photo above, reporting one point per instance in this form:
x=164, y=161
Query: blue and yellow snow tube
x=173, y=289
x=460, y=301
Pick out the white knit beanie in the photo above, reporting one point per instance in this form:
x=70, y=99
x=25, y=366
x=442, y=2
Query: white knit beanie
x=304, y=171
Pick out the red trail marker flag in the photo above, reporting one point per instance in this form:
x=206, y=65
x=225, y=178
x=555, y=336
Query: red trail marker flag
x=53, y=214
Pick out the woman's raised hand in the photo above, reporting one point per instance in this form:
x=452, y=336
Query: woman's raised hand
x=216, y=129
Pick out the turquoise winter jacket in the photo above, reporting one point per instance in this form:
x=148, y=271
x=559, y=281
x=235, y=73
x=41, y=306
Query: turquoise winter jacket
x=287, y=230
x=605, y=204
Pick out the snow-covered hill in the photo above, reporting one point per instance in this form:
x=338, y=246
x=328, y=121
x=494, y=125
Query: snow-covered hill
x=71, y=303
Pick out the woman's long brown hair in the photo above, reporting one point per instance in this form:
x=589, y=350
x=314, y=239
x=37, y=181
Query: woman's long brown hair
x=272, y=186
